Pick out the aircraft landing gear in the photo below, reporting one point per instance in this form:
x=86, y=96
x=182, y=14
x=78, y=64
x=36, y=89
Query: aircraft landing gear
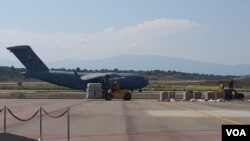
x=127, y=96
x=108, y=97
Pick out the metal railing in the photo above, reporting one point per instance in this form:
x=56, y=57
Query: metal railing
x=40, y=111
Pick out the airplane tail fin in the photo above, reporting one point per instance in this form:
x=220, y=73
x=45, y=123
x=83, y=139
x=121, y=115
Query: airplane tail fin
x=28, y=58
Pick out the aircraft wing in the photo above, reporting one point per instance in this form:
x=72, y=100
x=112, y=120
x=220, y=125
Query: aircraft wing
x=94, y=76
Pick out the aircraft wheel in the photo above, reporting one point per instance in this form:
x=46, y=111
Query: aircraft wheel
x=140, y=90
x=109, y=97
x=127, y=96
x=240, y=96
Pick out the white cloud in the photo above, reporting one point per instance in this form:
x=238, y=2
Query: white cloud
x=138, y=39
x=133, y=45
x=161, y=26
x=108, y=30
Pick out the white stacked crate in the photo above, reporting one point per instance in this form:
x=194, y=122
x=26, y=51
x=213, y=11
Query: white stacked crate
x=94, y=91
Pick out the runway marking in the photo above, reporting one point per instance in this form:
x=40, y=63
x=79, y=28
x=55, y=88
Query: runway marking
x=177, y=113
x=204, y=113
x=142, y=135
x=166, y=113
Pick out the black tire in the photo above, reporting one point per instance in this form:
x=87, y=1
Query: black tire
x=240, y=96
x=127, y=96
x=108, y=97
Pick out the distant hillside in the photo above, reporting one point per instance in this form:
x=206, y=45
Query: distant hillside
x=153, y=62
x=9, y=62
x=148, y=62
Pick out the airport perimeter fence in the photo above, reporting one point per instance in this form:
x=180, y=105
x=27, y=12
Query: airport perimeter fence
x=40, y=111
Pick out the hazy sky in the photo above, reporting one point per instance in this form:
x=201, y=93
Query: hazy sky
x=216, y=31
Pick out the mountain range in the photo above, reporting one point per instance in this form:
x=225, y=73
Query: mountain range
x=147, y=62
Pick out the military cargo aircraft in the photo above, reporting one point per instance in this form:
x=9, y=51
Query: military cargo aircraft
x=76, y=80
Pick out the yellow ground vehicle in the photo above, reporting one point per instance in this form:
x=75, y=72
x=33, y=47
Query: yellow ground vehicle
x=230, y=92
x=115, y=92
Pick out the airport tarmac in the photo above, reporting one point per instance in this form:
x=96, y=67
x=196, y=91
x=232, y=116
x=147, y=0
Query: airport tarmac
x=125, y=120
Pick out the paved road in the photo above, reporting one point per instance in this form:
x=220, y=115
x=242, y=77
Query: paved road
x=126, y=120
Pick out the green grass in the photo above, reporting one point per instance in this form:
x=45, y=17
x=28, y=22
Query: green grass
x=193, y=86
x=153, y=86
x=163, y=87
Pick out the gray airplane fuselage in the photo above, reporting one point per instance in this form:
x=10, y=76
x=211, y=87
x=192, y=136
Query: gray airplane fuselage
x=70, y=79
x=76, y=80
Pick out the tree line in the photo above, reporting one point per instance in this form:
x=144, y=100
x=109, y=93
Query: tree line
x=12, y=74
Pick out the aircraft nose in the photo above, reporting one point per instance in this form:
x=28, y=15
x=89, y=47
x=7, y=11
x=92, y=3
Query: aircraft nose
x=144, y=82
